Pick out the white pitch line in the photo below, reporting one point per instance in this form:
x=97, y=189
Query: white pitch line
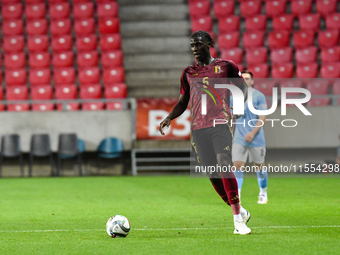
x=158, y=229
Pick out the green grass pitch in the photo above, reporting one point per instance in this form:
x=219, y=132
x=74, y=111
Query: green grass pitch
x=168, y=214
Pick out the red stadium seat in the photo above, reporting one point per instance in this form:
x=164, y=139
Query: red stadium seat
x=331, y=70
x=318, y=102
x=278, y=39
x=35, y=11
x=112, y=58
x=18, y=107
x=283, y=70
x=259, y=70
x=275, y=7
x=83, y=10
x=253, y=39
x=42, y=92
x=89, y=75
x=228, y=24
x=328, y=38
x=307, y=55
x=107, y=9
x=99, y=1
x=326, y=7
x=300, y=7
x=59, y=11
x=15, y=60
x=336, y=87
x=12, y=27
x=307, y=70
x=110, y=42
x=87, y=59
x=60, y=27
x=234, y=54
x=118, y=90
x=199, y=8
x=86, y=42
x=36, y=27
x=66, y=92
x=32, y=1
x=303, y=38
x=43, y=107
x=291, y=83
x=283, y=22
x=114, y=106
x=56, y=1
x=40, y=76
x=318, y=86
x=69, y=107
x=225, y=8
x=265, y=86
x=330, y=55
x=229, y=40
x=15, y=77
x=13, y=43
x=333, y=21
x=258, y=22
x=11, y=11
x=39, y=59
x=203, y=23
x=63, y=59
x=250, y=8
x=281, y=56
x=84, y=26
x=113, y=75
x=310, y=22
x=38, y=43
x=62, y=43
x=93, y=106
x=213, y=53
x=108, y=25
x=16, y=93
x=256, y=56
x=64, y=76
x=92, y=91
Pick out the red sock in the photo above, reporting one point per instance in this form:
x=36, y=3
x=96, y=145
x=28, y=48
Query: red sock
x=230, y=187
x=219, y=187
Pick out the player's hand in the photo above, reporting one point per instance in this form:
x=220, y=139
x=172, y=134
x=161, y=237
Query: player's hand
x=164, y=123
x=249, y=137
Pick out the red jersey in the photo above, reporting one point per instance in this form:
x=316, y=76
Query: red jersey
x=198, y=80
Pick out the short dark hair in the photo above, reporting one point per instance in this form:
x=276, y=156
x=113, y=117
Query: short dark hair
x=248, y=72
x=204, y=34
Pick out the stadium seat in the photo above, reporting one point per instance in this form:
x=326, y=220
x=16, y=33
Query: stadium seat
x=281, y=56
x=43, y=107
x=283, y=22
x=307, y=55
x=69, y=107
x=93, y=106
x=87, y=59
x=256, y=56
x=250, y=8
x=303, y=39
x=39, y=59
x=113, y=75
x=110, y=42
x=275, y=7
x=309, y=70
x=224, y=8
x=84, y=26
x=36, y=27
x=259, y=70
x=12, y=27
x=92, y=91
x=203, y=23
x=16, y=93
x=318, y=86
x=328, y=38
x=42, y=92
x=40, y=76
x=35, y=11
x=59, y=11
x=86, y=42
x=278, y=39
x=32, y=1
x=258, y=22
x=118, y=90
x=336, y=87
x=83, y=10
x=108, y=25
x=62, y=43
x=229, y=40
x=13, y=43
x=326, y=7
x=57, y=1
x=18, y=107
x=107, y=9
x=15, y=77
x=37, y=43
x=60, y=27
x=112, y=58
x=89, y=75
x=282, y=70
x=213, y=51
x=290, y=83
x=11, y=11
x=253, y=39
x=67, y=92
x=330, y=70
x=300, y=7
x=318, y=102
x=63, y=59
x=228, y=24
x=64, y=76
x=234, y=54
x=333, y=21
x=199, y=8
x=330, y=55
x=310, y=22
x=114, y=106
x=15, y=60
x=265, y=86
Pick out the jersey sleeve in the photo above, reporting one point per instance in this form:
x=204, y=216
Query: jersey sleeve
x=184, y=86
x=234, y=73
x=261, y=102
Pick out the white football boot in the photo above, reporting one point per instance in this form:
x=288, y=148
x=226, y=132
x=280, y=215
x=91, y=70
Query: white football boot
x=241, y=228
x=245, y=215
x=263, y=199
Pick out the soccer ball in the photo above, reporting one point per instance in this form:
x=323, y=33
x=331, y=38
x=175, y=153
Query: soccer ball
x=118, y=226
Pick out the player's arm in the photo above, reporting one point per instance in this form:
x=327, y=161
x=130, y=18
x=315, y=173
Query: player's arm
x=250, y=136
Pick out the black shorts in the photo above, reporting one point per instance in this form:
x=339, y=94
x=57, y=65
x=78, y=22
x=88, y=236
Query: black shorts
x=208, y=142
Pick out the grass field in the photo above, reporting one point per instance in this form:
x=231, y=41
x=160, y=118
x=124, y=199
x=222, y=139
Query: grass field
x=169, y=215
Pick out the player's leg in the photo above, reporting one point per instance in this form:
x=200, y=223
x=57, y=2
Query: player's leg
x=239, y=156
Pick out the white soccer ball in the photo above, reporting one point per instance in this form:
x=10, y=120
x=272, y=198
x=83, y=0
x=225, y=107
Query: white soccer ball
x=118, y=226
